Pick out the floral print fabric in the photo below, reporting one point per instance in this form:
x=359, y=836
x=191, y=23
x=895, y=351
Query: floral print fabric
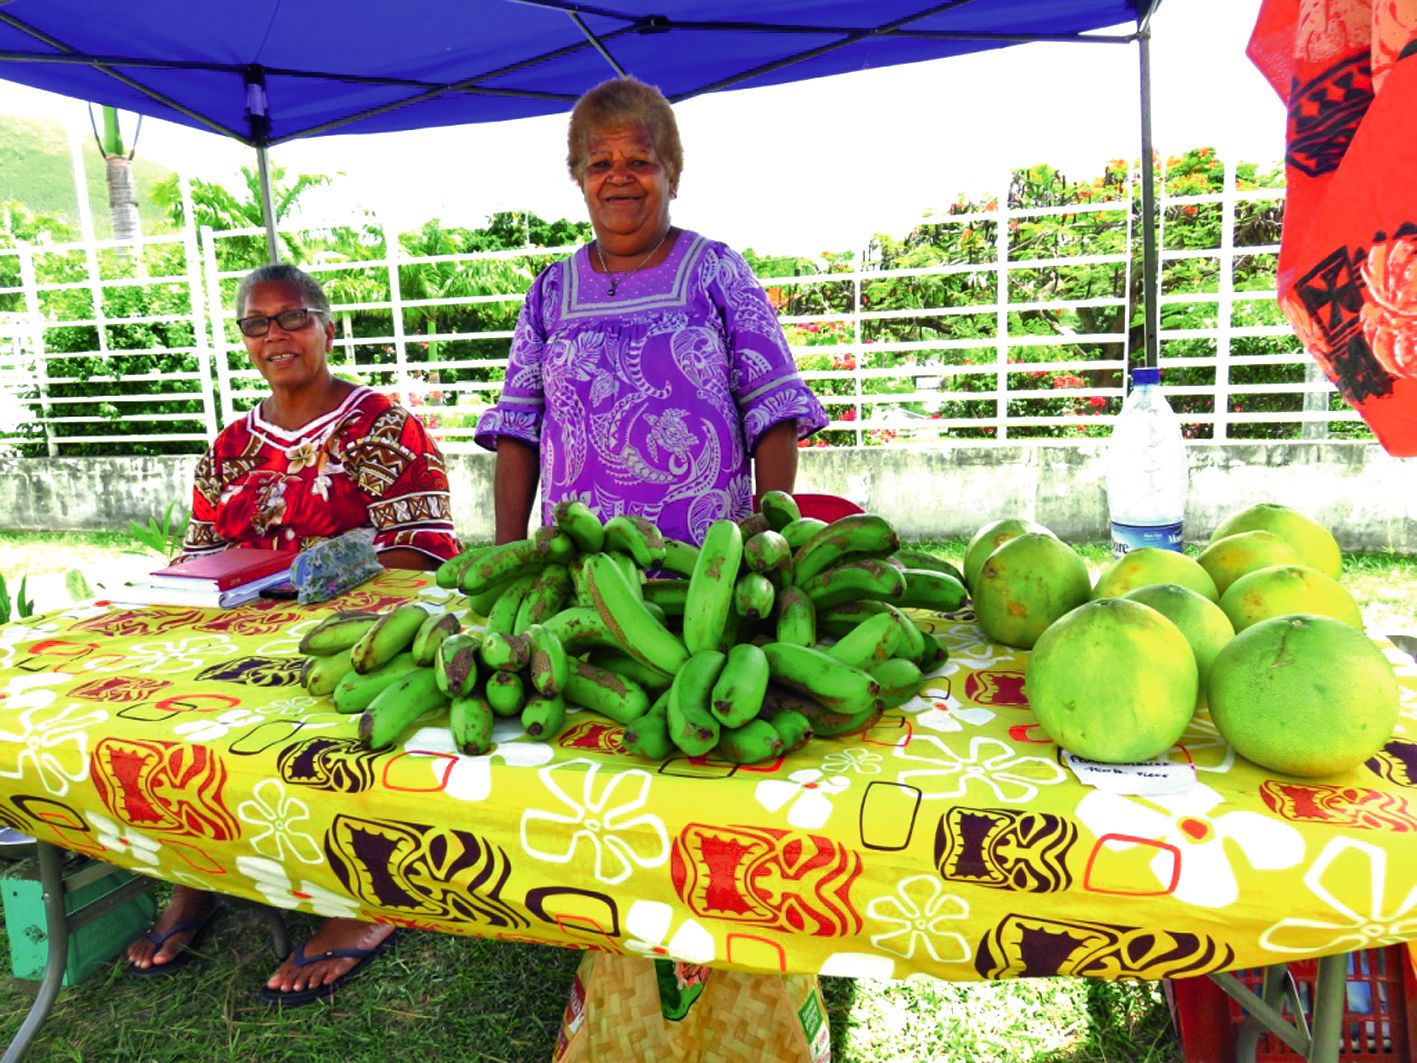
x=651, y=401
x=368, y=463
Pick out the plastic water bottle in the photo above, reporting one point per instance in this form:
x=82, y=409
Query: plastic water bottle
x=1147, y=471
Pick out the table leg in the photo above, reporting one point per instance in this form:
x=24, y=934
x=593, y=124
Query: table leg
x=1330, y=992
x=51, y=877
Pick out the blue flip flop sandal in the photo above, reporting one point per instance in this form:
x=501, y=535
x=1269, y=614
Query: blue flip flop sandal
x=196, y=927
x=297, y=997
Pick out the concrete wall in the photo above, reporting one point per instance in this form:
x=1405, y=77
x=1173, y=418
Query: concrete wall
x=1366, y=497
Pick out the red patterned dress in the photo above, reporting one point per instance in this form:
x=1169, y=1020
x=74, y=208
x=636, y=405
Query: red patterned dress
x=368, y=463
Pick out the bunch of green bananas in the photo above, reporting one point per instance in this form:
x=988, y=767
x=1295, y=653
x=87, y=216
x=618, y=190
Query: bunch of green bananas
x=708, y=648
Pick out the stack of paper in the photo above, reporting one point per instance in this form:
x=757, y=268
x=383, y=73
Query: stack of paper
x=219, y=580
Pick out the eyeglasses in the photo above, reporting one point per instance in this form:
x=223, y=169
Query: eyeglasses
x=289, y=320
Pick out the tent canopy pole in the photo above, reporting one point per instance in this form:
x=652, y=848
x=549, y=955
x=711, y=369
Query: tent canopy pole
x=258, y=118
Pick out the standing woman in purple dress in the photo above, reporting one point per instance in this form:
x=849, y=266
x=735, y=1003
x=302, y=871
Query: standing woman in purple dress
x=648, y=373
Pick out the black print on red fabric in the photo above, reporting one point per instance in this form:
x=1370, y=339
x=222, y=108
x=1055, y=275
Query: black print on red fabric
x=1332, y=293
x=255, y=671
x=1325, y=113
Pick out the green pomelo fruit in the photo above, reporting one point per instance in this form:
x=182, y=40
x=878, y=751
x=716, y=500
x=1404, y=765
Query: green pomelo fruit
x=1025, y=585
x=1286, y=590
x=1114, y=681
x=1204, y=624
x=1314, y=543
x=1303, y=695
x=989, y=538
x=1151, y=564
x=1227, y=559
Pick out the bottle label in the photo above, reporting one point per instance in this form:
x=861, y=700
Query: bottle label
x=1129, y=537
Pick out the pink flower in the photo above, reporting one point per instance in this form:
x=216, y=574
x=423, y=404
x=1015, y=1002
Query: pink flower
x=1389, y=313
x=1096, y=401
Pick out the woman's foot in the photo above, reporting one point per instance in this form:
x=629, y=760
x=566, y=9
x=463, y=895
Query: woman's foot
x=334, y=935
x=189, y=909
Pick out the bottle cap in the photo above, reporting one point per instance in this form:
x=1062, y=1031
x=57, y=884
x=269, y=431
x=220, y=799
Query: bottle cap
x=1149, y=375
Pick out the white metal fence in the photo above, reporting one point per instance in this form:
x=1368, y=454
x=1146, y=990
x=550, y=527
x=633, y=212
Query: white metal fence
x=113, y=349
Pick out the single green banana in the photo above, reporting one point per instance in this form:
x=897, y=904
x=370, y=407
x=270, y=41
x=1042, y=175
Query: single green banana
x=859, y=535
x=753, y=596
x=548, y=667
x=638, y=633
x=579, y=591
x=692, y=726
x=825, y=722
x=753, y=524
x=336, y=632
x=320, y=674
x=752, y=743
x=606, y=692
x=899, y=679
x=579, y=628
x=842, y=620
x=796, y=617
x=482, y=602
x=912, y=557
x=634, y=577
x=431, y=634
x=577, y=520
x=505, y=693
x=354, y=691
x=637, y=538
x=648, y=736
x=470, y=720
x=737, y=694
x=668, y=594
x=544, y=599
x=449, y=573
x=387, y=637
x=502, y=617
x=455, y=663
x=793, y=728
x=544, y=717
x=679, y=558
x=505, y=653
x=622, y=664
x=767, y=553
x=819, y=675
x=496, y=564
x=710, y=596
x=851, y=580
x=928, y=589
x=780, y=508
x=554, y=545
x=396, y=707
x=934, y=654
x=799, y=533
x=875, y=639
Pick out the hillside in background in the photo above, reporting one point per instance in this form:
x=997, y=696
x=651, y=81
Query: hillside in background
x=35, y=168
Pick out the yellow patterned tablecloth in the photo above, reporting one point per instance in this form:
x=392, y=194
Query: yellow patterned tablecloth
x=950, y=840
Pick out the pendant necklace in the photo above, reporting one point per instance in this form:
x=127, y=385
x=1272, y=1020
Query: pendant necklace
x=615, y=277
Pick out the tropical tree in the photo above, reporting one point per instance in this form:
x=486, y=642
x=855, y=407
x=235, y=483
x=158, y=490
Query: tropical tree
x=219, y=208
x=122, y=193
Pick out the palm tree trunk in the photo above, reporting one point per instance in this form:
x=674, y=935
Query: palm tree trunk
x=123, y=199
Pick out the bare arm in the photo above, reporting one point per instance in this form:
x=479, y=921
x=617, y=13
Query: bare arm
x=514, y=488
x=407, y=557
x=775, y=459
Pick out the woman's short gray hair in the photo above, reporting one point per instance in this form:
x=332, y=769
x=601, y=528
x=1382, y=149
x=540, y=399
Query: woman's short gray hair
x=625, y=101
x=309, y=288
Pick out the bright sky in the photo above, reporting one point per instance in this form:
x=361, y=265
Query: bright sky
x=811, y=166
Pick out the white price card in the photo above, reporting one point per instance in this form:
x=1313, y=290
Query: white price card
x=1145, y=777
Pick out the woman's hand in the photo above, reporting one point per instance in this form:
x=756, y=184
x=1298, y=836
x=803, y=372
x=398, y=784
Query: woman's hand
x=514, y=488
x=775, y=460
x=407, y=557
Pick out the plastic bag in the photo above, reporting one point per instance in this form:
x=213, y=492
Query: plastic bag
x=623, y=1009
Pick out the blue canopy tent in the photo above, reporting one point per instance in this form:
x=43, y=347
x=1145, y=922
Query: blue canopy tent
x=266, y=71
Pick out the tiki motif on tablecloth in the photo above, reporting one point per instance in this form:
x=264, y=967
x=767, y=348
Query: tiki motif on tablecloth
x=341, y=765
x=776, y=879
x=254, y=671
x=120, y=689
x=255, y=619
x=1022, y=946
x=1396, y=762
x=996, y=686
x=585, y=913
x=421, y=871
x=594, y=736
x=1005, y=849
x=140, y=623
x=164, y=787
x=1354, y=807
x=46, y=817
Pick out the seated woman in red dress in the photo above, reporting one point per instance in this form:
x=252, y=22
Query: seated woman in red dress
x=317, y=457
